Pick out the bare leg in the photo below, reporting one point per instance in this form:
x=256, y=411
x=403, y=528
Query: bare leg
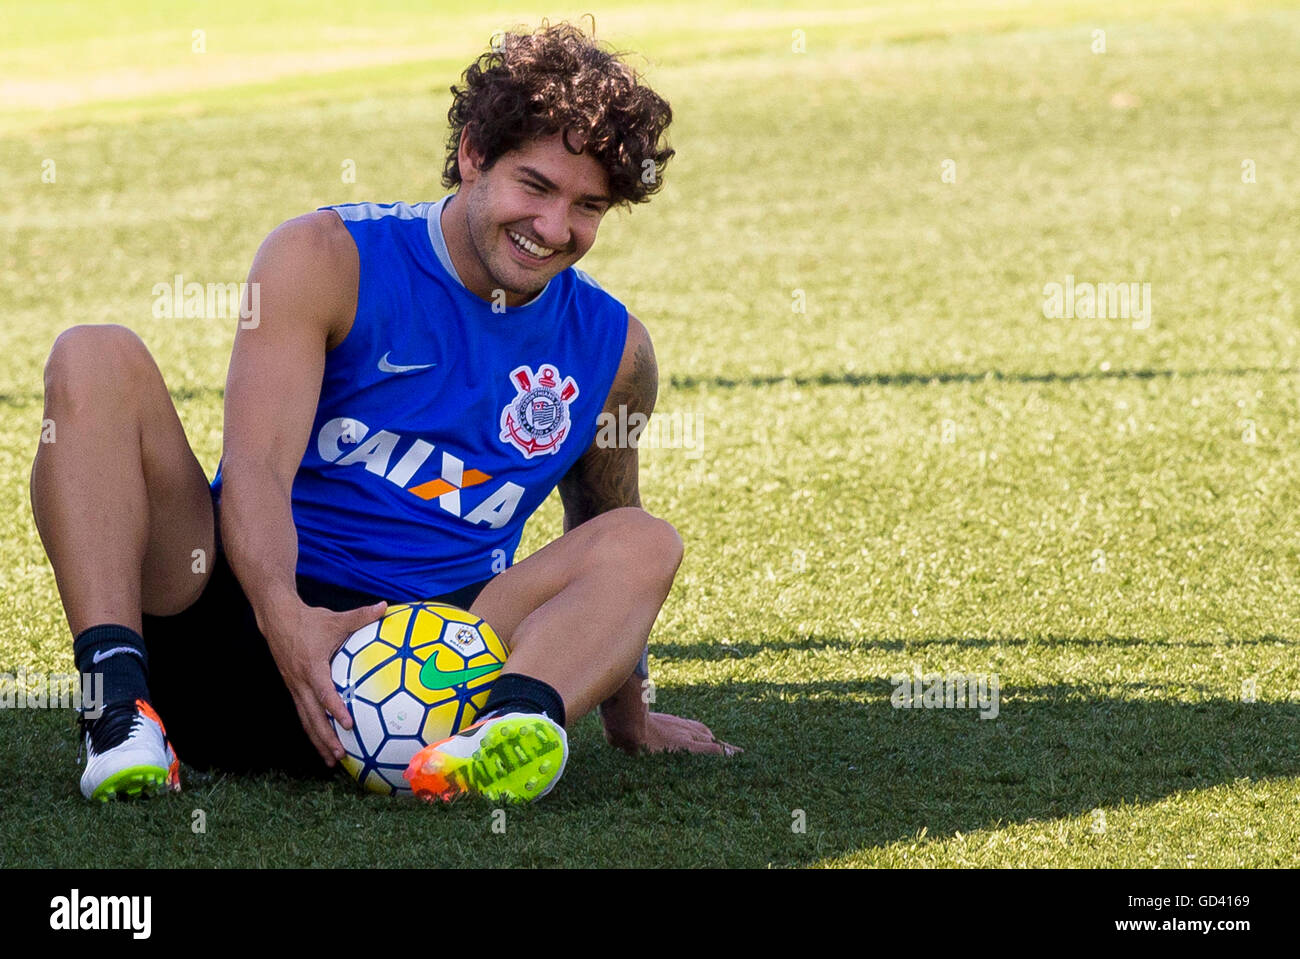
x=576, y=614
x=120, y=500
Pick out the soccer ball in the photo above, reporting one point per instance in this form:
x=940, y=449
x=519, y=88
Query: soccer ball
x=413, y=678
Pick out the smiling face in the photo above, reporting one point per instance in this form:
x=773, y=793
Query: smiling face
x=533, y=214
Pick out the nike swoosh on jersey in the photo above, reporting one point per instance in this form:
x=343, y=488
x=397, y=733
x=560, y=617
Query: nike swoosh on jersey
x=103, y=654
x=431, y=677
x=386, y=367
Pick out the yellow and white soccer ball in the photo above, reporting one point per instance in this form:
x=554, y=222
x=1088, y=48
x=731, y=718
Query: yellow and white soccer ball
x=413, y=678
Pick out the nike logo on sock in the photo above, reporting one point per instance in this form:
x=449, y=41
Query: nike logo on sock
x=104, y=654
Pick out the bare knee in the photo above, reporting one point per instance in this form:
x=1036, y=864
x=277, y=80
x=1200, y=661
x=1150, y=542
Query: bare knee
x=639, y=542
x=90, y=364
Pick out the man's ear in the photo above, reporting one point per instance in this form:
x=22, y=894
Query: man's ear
x=470, y=159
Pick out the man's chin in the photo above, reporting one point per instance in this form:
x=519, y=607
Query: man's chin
x=527, y=293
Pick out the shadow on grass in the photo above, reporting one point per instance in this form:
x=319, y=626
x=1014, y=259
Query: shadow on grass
x=867, y=774
x=717, y=651
x=863, y=773
x=690, y=381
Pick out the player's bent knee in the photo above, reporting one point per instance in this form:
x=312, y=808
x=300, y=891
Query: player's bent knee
x=668, y=546
x=641, y=542
x=88, y=359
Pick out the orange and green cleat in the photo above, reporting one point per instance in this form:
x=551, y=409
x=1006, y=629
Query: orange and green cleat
x=128, y=753
x=517, y=757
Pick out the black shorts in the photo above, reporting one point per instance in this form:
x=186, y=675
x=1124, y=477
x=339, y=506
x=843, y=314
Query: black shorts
x=217, y=689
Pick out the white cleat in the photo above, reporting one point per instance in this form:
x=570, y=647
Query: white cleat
x=128, y=754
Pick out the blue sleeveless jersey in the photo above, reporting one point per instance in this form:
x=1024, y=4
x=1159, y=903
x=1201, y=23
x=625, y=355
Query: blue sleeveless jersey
x=444, y=424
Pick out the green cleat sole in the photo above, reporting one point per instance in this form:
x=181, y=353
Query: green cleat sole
x=132, y=782
x=527, y=744
x=516, y=761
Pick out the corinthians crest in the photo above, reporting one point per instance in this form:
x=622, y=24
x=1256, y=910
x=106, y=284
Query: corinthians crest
x=537, y=419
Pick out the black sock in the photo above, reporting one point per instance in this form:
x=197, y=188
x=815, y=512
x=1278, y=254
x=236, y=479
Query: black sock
x=516, y=693
x=118, y=654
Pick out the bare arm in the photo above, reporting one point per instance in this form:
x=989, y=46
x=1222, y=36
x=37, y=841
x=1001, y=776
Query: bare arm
x=271, y=394
x=306, y=275
x=608, y=478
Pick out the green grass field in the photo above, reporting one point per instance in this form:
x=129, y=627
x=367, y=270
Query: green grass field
x=920, y=471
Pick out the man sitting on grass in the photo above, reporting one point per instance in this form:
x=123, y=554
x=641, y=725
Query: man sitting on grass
x=417, y=381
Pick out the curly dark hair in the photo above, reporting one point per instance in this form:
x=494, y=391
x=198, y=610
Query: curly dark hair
x=557, y=80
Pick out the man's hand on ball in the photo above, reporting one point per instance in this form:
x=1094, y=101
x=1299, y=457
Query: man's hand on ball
x=303, y=639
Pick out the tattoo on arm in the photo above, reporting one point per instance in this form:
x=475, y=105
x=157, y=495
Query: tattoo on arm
x=607, y=478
